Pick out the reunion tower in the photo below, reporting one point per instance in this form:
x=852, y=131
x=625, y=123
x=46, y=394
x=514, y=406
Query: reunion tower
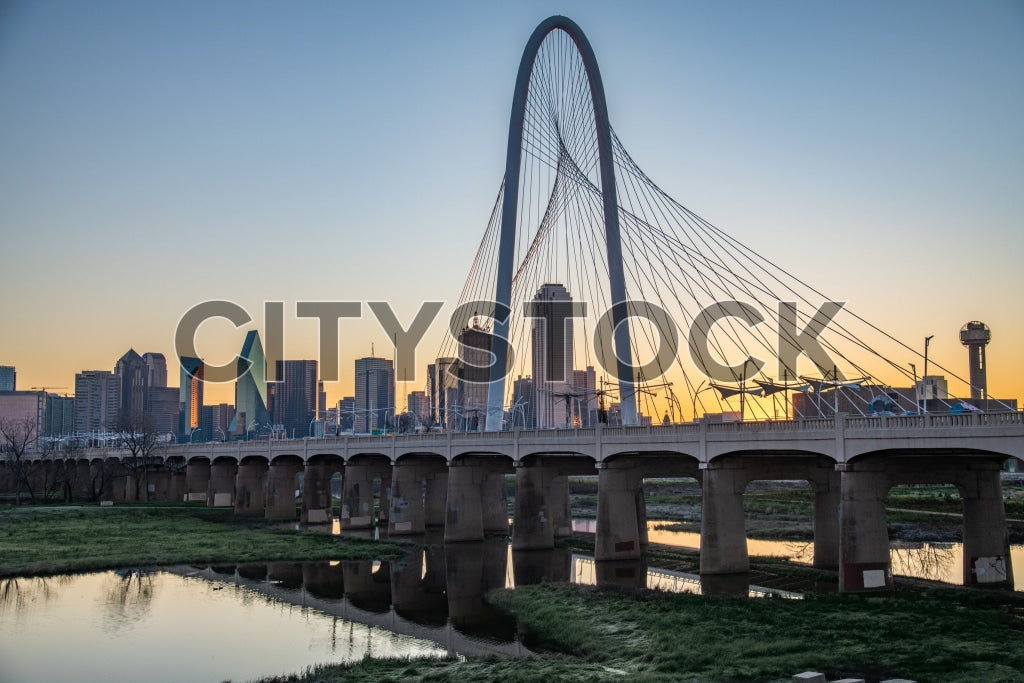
x=976, y=336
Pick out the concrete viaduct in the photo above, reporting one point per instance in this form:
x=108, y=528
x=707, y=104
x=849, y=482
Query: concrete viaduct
x=457, y=480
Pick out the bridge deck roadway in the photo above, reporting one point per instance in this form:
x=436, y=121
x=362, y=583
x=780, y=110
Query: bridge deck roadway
x=841, y=439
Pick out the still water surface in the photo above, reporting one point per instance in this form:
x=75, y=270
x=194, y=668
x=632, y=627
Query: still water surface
x=932, y=561
x=242, y=622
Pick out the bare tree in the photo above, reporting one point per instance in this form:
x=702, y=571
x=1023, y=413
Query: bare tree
x=18, y=437
x=138, y=435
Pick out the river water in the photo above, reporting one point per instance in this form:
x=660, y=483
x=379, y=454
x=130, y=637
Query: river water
x=933, y=561
x=238, y=622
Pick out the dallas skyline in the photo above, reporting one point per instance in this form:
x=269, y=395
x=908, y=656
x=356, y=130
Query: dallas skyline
x=156, y=157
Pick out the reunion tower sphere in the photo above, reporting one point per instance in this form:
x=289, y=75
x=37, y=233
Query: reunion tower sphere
x=976, y=336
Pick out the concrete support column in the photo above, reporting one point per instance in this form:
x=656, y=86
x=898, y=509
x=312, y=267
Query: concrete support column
x=826, y=522
x=864, y=539
x=158, y=484
x=558, y=506
x=494, y=503
x=222, y=484
x=986, y=544
x=436, y=498
x=97, y=484
x=250, y=489
x=532, y=527
x=82, y=488
x=723, y=538
x=408, y=512
x=464, y=520
x=134, y=487
x=280, y=503
x=177, y=486
x=316, y=493
x=384, y=508
x=357, y=498
x=197, y=480
x=618, y=527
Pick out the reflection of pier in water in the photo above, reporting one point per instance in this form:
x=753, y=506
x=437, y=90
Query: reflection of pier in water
x=435, y=595
x=438, y=594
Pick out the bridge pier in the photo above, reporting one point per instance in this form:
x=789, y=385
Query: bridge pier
x=159, y=482
x=435, y=507
x=723, y=538
x=280, y=503
x=865, y=564
x=357, y=502
x=986, y=544
x=250, y=488
x=222, y=483
x=316, y=491
x=542, y=511
x=81, y=481
x=620, y=506
x=197, y=480
x=827, y=492
x=476, y=499
x=410, y=495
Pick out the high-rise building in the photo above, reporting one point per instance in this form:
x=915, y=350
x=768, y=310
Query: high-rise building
x=445, y=400
x=190, y=399
x=156, y=366
x=163, y=409
x=293, y=397
x=346, y=413
x=524, y=403
x=474, y=373
x=97, y=401
x=133, y=377
x=552, y=347
x=431, y=395
x=29, y=406
x=8, y=378
x=218, y=417
x=584, y=386
x=321, y=401
x=58, y=416
x=251, y=415
x=375, y=394
x=419, y=406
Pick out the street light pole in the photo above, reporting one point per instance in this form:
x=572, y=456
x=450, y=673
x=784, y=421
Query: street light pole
x=917, y=394
x=924, y=377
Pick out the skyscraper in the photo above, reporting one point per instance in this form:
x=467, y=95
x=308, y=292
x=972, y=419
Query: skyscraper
x=8, y=378
x=293, y=401
x=58, y=416
x=97, y=401
x=133, y=377
x=474, y=373
x=524, y=403
x=346, y=413
x=419, y=406
x=375, y=393
x=251, y=389
x=584, y=385
x=445, y=401
x=156, y=366
x=190, y=399
x=552, y=347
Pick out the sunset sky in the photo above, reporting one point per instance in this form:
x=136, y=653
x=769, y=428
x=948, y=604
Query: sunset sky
x=154, y=155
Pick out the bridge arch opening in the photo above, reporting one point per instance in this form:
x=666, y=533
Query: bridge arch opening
x=937, y=516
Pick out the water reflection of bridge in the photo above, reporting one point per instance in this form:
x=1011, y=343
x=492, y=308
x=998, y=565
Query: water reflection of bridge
x=438, y=594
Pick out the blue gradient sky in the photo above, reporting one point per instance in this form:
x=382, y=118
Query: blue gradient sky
x=154, y=155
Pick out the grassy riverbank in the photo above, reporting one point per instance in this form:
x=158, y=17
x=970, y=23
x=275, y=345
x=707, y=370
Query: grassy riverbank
x=51, y=540
x=590, y=634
